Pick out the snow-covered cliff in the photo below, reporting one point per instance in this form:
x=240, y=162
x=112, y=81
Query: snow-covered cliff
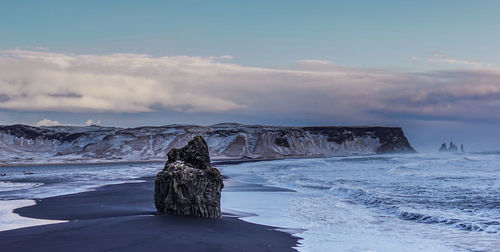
x=26, y=144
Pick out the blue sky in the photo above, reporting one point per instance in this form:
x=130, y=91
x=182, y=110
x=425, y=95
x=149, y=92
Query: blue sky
x=432, y=67
x=380, y=34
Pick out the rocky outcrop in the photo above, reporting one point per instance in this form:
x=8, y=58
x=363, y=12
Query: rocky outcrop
x=20, y=143
x=188, y=185
x=443, y=148
x=451, y=148
x=195, y=154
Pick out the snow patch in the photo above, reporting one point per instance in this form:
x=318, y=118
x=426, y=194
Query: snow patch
x=10, y=220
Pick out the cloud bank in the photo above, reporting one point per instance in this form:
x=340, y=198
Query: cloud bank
x=47, y=123
x=438, y=57
x=131, y=83
x=91, y=122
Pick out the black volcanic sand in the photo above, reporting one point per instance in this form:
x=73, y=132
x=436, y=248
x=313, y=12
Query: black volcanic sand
x=121, y=217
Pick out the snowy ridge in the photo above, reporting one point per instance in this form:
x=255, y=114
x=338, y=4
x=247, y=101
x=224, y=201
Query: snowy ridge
x=26, y=144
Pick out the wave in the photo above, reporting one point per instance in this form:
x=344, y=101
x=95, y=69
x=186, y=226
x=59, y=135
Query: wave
x=497, y=152
x=364, y=159
x=471, y=159
x=388, y=205
x=422, y=218
x=7, y=186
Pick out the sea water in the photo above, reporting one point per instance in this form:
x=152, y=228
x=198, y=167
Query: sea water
x=19, y=185
x=42, y=181
x=417, y=202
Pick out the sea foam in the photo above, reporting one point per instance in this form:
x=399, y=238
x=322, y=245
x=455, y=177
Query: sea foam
x=10, y=220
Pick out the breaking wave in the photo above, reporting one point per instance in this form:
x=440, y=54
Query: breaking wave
x=360, y=196
x=449, y=202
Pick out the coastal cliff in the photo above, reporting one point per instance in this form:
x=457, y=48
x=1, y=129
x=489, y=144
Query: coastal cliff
x=27, y=144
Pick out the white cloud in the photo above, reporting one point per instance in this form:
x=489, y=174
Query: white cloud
x=47, y=122
x=316, y=62
x=45, y=81
x=443, y=58
x=223, y=57
x=92, y=122
x=40, y=48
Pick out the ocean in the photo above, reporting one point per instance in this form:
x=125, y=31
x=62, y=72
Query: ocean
x=397, y=202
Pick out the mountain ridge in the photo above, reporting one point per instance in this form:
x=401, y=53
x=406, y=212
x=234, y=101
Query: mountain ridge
x=28, y=144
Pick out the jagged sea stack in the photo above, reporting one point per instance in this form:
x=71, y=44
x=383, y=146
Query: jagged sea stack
x=188, y=185
x=443, y=148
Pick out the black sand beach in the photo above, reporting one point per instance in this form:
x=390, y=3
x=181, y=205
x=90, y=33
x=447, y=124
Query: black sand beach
x=121, y=217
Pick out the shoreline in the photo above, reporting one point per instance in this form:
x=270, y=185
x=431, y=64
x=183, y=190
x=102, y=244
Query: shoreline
x=97, y=162
x=215, y=161
x=11, y=221
x=121, y=210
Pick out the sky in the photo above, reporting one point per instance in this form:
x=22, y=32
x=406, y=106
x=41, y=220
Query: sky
x=431, y=67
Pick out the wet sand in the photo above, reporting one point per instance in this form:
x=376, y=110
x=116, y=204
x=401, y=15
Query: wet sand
x=122, y=217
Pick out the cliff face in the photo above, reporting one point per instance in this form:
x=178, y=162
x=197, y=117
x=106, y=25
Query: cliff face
x=26, y=144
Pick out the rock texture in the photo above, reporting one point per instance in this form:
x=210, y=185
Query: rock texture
x=26, y=144
x=443, y=148
x=451, y=148
x=195, y=154
x=188, y=185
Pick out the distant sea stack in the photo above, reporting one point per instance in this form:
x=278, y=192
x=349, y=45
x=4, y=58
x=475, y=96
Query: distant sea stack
x=443, y=148
x=451, y=148
x=225, y=141
x=188, y=184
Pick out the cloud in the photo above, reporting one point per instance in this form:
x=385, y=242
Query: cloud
x=313, y=62
x=40, y=48
x=92, y=122
x=134, y=83
x=443, y=58
x=47, y=123
x=223, y=57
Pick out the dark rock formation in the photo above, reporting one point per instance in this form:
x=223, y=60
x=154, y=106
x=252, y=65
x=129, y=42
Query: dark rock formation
x=393, y=140
x=443, y=148
x=195, y=154
x=281, y=141
x=188, y=185
x=453, y=147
